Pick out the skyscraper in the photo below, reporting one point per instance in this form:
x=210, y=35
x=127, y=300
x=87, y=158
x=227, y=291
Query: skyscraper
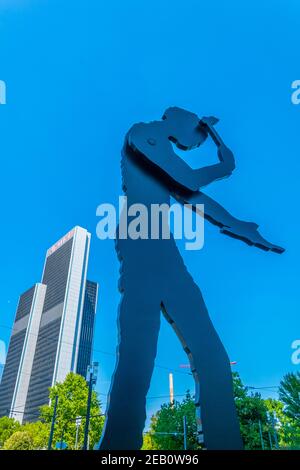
x=17, y=370
x=61, y=330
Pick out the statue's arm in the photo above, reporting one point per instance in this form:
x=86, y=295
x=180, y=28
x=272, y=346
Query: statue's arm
x=159, y=152
x=230, y=225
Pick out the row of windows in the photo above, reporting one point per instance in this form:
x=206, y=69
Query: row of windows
x=25, y=303
x=42, y=369
x=11, y=371
x=56, y=275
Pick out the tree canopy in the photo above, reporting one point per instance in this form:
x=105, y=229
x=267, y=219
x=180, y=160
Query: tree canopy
x=264, y=423
x=289, y=394
x=20, y=440
x=166, y=429
x=72, y=403
x=8, y=426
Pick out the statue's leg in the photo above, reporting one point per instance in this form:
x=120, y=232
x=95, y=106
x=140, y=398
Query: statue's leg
x=185, y=309
x=139, y=322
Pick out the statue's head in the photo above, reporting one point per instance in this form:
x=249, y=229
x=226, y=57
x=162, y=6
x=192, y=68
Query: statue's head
x=184, y=128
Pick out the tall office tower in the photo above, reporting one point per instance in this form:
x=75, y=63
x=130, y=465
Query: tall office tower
x=18, y=367
x=62, y=339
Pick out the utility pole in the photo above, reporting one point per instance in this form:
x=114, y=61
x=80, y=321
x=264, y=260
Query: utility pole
x=92, y=371
x=273, y=422
x=270, y=440
x=184, y=433
x=52, y=424
x=171, y=388
x=261, y=435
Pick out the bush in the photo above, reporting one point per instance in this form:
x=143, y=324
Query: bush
x=20, y=440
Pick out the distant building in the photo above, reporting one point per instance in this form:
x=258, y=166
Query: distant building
x=53, y=330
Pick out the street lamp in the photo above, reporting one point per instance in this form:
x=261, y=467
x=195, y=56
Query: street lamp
x=91, y=378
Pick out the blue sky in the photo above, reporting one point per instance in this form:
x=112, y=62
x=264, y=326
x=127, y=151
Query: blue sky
x=78, y=75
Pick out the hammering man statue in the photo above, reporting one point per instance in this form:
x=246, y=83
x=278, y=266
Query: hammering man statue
x=154, y=279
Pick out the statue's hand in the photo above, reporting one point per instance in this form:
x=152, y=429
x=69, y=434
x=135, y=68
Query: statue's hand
x=209, y=121
x=248, y=231
x=226, y=156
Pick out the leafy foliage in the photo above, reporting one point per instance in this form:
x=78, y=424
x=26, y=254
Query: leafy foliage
x=263, y=423
x=253, y=417
x=286, y=429
x=20, y=440
x=289, y=394
x=39, y=433
x=8, y=426
x=166, y=430
x=72, y=403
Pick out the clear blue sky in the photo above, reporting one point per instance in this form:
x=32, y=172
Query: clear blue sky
x=78, y=75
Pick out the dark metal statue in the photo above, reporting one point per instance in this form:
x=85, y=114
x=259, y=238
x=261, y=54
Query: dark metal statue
x=154, y=279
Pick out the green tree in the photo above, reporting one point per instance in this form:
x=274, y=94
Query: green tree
x=253, y=416
x=8, y=426
x=72, y=403
x=166, y=429
x=39, y=433
x=148, y=443
x=278, y=421
x=289, y=394
x=286, y=427
x=264, y=423
x=20, y=440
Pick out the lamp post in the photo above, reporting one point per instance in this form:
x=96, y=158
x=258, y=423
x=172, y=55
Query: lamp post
x=91, y=378
x=78, y=423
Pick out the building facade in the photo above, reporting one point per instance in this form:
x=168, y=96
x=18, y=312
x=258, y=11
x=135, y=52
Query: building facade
x=61, y=329
x=18, y=367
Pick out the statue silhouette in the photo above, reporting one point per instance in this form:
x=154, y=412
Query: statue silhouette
x=154, y=279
